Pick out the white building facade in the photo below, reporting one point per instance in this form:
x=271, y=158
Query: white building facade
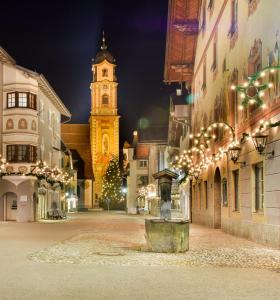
x=235, y=40
x=145, y=158
x=30, y=113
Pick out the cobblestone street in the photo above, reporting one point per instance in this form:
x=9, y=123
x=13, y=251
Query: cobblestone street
x=107, y=251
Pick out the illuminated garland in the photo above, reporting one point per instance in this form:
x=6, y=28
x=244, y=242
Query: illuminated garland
x=252, y=91
x=186, y=164
x=200, y=150
x=41, y=171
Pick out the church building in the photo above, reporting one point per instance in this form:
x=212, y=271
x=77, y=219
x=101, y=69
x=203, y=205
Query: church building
x=103, y=128
x=104, y=118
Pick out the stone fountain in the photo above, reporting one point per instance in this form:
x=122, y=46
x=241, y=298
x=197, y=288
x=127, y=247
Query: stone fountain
x=165, y=234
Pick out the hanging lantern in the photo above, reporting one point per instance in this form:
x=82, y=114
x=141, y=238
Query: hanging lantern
x=260, y=141
x=196, y=174
x=234, y=153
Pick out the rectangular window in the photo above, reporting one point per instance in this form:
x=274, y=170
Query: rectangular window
x=214, y=65
x=206, y=194
x=203, y=23
x=211, y=4
x=22, y=99
x=236, y=189
x=11, y=153
x=142, y=180
x=143, y=164
x=11, y=100
x=204, y=75
x=224, y=191
x=21, y=153
x=259, y=187
x=32, y=101
x=234, y=18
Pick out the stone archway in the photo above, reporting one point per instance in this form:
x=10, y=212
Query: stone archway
x=8, y=207
x=217, y=198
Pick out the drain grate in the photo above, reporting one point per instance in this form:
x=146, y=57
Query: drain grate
x=110, y=253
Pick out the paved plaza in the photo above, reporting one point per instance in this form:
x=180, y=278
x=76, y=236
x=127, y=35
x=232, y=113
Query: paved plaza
x=102, y=255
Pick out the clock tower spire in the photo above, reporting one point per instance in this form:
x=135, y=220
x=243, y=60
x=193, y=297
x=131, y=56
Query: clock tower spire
x=104, y=118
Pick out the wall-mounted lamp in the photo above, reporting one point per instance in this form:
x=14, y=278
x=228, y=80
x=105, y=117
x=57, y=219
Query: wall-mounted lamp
x=234, y=153
x=260, y=140
x=196, y=174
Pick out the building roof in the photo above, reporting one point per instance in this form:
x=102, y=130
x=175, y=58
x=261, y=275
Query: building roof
x=104, y=54
x=5, y=57
x=182, y=31
x=153, y=134
x=43, y=84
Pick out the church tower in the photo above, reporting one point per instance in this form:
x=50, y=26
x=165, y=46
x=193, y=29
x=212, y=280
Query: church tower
x=104, y=119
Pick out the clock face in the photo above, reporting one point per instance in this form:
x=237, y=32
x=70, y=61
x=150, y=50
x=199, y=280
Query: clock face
x=105, y=87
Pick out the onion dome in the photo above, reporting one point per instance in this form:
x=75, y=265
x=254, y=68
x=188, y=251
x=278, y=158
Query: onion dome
x=104, y=54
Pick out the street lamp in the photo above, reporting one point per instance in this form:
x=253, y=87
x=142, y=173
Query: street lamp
x=234, y=152
x=260, y=140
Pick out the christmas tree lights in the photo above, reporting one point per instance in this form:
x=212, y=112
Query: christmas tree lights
x=112, y=186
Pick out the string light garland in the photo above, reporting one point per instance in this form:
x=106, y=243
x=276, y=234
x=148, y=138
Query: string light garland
x=196, y=159
x=253, y=90
x=42, y=171
x=192, y=165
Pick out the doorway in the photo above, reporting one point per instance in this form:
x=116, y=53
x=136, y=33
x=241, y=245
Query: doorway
x=217, y=198
x=9, y=207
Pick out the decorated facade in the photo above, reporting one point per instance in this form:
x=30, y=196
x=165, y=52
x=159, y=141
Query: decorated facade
x=32, y=177
x=232, y=159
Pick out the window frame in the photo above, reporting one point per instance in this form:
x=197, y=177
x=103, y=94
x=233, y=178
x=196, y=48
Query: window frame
x=234, y=18
x=11, y=100
x=205, y=185
x=235, y=178
x=105, y=97
x=225, y=192
x=145, y=163
x=145, y=182
x=204, y=75
x=30, y=102
x=105, y=72
x=259, y=195
x=14, y=156
x=203, y=18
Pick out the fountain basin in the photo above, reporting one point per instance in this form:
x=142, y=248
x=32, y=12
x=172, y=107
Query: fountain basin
x=167, y=236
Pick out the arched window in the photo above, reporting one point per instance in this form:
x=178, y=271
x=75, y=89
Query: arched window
x=10, y=124
x=105, y=72
x=22, y=124
x=105, y=100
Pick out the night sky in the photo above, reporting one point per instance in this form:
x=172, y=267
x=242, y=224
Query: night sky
x=60, y=38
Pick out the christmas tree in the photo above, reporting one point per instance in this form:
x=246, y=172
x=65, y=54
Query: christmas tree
x=112, y=195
